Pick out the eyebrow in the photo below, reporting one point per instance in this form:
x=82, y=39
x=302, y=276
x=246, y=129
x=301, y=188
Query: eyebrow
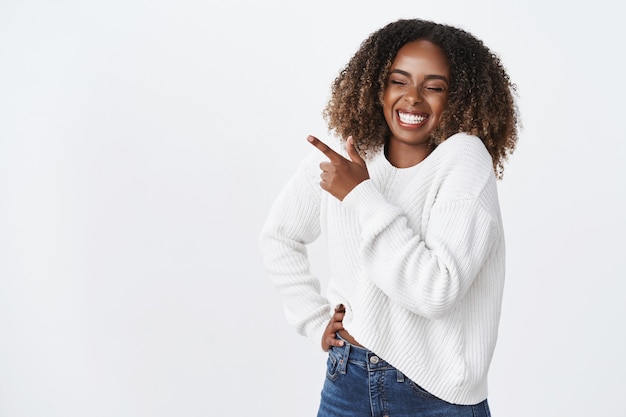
x=428, y=77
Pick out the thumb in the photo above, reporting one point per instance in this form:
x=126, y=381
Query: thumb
x=352, y=152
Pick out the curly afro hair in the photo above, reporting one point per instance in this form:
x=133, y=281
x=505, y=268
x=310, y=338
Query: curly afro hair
x=480, y=99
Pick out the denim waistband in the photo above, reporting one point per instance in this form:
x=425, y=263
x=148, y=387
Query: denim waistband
x=359, y=383
x=361, y=356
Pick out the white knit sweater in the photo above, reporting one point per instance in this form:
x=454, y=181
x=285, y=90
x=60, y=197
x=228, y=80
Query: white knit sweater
x=416, y=256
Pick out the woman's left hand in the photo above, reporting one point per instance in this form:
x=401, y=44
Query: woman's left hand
x=340, y=175
x=329, y=338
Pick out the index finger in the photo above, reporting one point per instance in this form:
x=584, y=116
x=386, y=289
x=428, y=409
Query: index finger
x=326, y=150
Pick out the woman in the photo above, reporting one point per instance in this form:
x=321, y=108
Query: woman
x=427, y=118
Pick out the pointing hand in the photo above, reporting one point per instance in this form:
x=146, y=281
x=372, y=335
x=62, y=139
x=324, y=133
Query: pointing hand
x=340, y=175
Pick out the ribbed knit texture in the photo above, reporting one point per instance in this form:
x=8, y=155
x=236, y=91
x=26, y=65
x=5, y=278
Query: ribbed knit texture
x=416, y=256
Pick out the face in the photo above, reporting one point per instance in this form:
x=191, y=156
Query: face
x=416, y=94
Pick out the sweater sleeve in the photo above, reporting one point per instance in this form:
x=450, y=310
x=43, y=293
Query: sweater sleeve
x=428, y=272
x=292, y=223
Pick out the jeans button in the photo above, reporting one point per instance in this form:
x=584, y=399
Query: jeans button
x=374, y=359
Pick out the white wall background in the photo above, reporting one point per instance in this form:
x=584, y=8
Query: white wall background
x=142, y=143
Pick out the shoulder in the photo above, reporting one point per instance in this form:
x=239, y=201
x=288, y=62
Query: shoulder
x=465, y=148
x=464, y=166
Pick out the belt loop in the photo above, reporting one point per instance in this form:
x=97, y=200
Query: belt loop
x=399, y=376
x=343, y=361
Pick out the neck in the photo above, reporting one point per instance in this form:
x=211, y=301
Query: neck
x=402, y=155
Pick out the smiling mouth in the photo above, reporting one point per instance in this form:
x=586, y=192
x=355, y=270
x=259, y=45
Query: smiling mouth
x=411, y=119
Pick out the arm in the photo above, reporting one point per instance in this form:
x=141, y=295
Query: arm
x=430, y=269
x=292, y=223
x=427, y=274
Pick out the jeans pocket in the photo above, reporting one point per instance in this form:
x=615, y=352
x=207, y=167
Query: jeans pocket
x=421, y=391
x=332, y=364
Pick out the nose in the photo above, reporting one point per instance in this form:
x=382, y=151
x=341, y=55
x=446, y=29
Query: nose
x=413, y=96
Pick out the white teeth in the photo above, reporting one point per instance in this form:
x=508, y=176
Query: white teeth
x=412, y=119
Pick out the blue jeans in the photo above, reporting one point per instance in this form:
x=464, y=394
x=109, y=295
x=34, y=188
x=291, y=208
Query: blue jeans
x=361, y=384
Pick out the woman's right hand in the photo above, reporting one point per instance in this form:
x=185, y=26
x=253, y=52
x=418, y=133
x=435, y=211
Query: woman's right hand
x=329, y=338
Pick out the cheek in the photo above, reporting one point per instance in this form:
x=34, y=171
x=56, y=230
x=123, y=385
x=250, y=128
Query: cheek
x=440, y=105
